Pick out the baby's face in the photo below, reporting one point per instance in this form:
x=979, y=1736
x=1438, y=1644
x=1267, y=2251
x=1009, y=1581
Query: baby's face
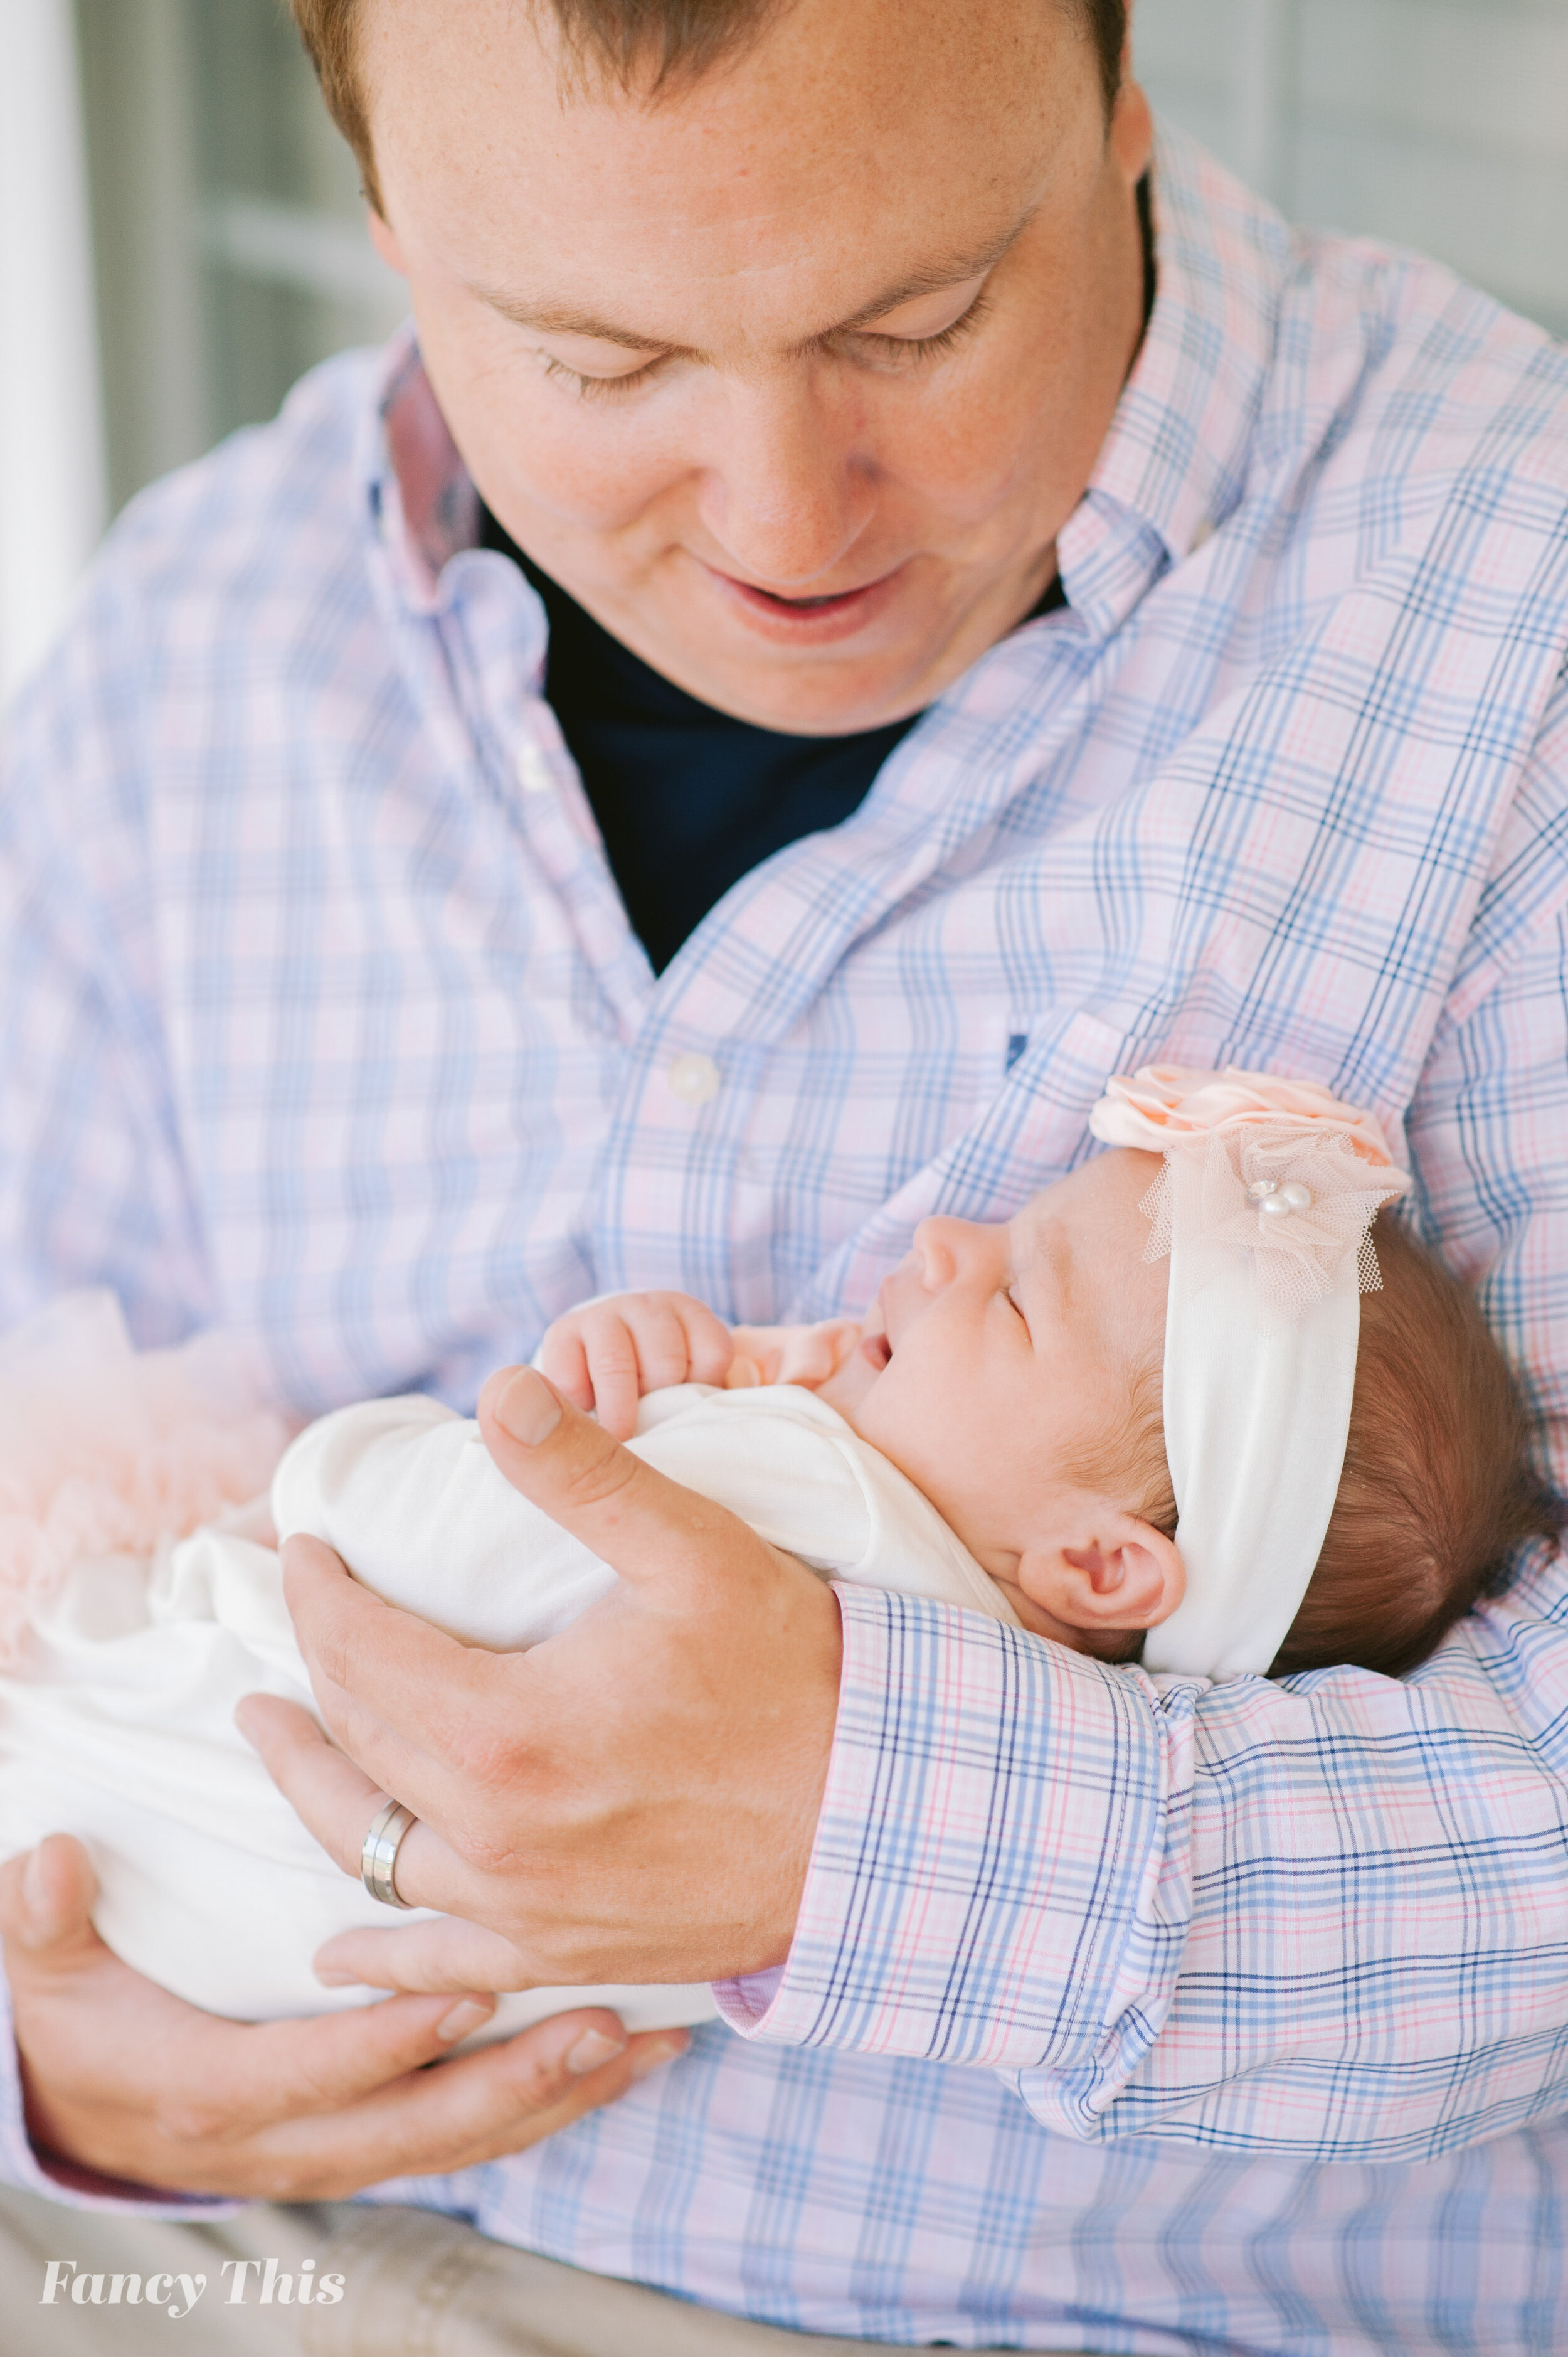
x=997, y=1357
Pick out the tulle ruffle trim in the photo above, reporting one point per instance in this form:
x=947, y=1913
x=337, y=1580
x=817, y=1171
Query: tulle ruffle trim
x=108, y=1451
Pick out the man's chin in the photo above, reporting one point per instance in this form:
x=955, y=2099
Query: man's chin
x=803, y=691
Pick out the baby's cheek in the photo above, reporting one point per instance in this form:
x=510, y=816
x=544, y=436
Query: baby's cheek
x=900, y=1416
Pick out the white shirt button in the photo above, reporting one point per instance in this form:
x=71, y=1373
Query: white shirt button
x=694, y=1079
x=533, y=769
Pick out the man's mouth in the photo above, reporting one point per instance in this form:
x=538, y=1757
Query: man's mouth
x=804, y=604
x=841, y=609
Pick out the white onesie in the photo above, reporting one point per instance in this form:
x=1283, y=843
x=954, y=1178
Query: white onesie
x=117, y=1720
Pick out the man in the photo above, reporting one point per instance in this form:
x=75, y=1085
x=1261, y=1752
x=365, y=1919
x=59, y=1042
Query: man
x=1015, y=618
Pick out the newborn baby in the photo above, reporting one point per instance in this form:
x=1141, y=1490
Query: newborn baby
x=1022, y=1425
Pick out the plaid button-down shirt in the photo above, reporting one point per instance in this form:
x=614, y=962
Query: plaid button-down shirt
x=1123, y=2015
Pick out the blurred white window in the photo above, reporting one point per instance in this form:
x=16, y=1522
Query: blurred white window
x=1435, y=124
x=53, y=492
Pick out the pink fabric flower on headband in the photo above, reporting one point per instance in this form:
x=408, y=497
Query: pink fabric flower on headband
x=1158, y=1107
x=1281, y=1171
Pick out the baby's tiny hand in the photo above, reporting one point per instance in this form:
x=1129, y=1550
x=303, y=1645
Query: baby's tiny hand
x=807, y=1355
x=607, y=1355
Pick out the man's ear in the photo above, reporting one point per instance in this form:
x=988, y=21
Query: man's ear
x=1120, y=1573
x=383, y=237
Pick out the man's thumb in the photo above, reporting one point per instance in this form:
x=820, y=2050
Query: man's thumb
x=642, y=1524
x=521, y=1404
x=47, y=1895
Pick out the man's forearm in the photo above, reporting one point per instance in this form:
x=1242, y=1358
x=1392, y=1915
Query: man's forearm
x=1330, y=1921
x=994, y=1810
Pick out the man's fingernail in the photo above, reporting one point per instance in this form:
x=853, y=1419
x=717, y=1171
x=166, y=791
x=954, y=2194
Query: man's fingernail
x=654, y=2058
x=464, y=2018
x=528, y=1409
x=33, y=1889
x=591, y=2050
x=330, y=1978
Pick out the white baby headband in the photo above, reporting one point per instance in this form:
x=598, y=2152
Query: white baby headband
x=1265, y=1205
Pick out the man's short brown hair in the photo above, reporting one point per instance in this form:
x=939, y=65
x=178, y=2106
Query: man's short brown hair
x=655, y=42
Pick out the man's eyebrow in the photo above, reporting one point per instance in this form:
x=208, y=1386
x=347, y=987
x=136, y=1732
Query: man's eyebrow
x=932, y=278
x=935, y=278
x=566, y=319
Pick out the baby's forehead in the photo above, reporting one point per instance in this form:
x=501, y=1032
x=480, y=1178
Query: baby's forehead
x=1110, y=1185
x=1091, y=1226
x=1052, y=1214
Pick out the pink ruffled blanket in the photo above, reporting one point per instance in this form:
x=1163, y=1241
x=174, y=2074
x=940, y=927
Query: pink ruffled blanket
x=105, y=1451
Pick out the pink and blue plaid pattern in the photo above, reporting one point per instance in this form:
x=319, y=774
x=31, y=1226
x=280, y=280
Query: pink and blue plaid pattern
x=1122, y=2016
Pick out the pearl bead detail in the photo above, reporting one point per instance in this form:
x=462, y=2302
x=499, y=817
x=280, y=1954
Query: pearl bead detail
x=1292, y=1197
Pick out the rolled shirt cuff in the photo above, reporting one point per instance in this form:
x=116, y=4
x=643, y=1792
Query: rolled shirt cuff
x=998, y=1876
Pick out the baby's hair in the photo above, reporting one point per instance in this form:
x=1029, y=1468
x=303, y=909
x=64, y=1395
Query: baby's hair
x=1437, y=1489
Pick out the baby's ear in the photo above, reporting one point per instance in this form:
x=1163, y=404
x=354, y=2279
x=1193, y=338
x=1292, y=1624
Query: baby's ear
x=1116, y=1573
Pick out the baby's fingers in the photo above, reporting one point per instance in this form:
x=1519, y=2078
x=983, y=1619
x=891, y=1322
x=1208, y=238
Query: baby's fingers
x=656, y=1323
x=563, y=1360
x=710, y=1345
x=613, y=1380
x=607, y=1355
x=811, y=1354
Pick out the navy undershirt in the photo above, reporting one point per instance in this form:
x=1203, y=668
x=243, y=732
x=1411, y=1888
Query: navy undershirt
x=689, y=799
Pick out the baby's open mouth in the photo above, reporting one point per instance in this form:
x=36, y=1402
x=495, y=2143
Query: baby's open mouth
x=877, y=1349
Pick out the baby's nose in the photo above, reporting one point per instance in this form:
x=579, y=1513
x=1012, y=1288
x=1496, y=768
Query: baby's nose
x=939, y=1250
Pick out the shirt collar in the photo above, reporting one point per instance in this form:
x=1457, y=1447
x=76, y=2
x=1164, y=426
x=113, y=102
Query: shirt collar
x=1171, y=469
x=422, y=499
x=1174, y=461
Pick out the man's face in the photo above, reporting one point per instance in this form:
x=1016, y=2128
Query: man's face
x=793, y=374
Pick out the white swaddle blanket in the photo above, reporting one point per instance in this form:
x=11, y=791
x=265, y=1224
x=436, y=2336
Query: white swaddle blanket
x=116, y=1715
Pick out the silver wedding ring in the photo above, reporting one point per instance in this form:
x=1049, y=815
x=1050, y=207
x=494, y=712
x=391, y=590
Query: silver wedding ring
x=378, y=1853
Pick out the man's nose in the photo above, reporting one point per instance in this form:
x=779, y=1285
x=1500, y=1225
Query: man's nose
x=784, y=492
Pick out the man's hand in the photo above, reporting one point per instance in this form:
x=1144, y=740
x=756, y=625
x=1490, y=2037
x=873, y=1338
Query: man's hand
x=123, y=2081
x=634, y=1800
x=607, y=1355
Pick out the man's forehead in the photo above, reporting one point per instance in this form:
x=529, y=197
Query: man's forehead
x=836, y=143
